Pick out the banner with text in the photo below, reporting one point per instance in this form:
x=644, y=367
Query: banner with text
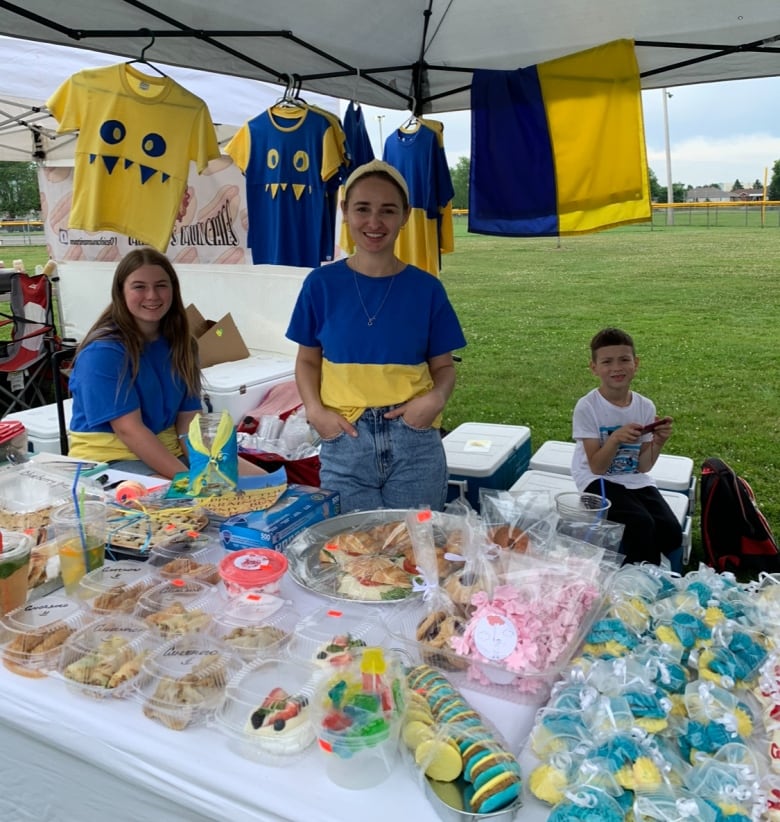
x=211, y=226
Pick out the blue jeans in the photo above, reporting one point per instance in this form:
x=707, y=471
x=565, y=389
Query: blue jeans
x=388, y=465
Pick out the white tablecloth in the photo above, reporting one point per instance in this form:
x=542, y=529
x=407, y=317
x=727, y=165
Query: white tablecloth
x=69, y=758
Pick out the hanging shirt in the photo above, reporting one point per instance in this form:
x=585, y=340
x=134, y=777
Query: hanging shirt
x=289, y=158
x=137, y=137
x=423, y=163
x=360, y=148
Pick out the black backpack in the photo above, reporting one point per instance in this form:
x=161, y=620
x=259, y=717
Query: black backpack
x=735, y=535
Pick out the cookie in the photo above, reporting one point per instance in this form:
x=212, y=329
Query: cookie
x=435, y=632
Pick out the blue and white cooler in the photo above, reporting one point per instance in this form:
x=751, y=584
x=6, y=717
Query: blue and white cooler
x=485, y=455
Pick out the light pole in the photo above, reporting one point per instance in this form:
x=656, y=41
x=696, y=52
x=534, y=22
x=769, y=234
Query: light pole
x=669, y=186
x=379, y=119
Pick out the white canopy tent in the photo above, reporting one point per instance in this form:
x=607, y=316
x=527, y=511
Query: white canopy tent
x=410, y=53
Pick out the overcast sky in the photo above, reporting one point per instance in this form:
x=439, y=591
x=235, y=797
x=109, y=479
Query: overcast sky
x=718, y=132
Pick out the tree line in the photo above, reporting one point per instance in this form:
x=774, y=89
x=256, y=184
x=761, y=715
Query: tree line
x=658, y=193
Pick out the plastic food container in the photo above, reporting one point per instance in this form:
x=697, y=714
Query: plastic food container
x=193, y=555
x=104, y=658
x=43, y=576
x=13, y=441
x=255, y=625
x=330, y=638
x=266, y=713
x=182, y=682
x=28, y=494
x=14, y=569
x=35, y=633
x=253, y=569
x=116, y=587
x=178, y=606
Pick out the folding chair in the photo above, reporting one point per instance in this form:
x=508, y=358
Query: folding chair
x=25, y=359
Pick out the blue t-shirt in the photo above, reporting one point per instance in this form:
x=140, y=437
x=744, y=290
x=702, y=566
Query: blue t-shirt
x=103, y=387
x=386, y=362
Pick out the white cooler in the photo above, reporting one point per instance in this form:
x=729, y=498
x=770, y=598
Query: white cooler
x=240, y=385
x=556, y=483
x=670, y=472
x=485, y=455
x=42, y=425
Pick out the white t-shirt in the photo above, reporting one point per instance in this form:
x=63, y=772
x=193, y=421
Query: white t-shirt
x=596, y=418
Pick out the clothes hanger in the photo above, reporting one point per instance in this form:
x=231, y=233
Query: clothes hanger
x=142, y=58
x=290, y=99
x=413, y=122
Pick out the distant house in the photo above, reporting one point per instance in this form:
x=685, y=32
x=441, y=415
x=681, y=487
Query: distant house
x=707, y=194
x=747, y=194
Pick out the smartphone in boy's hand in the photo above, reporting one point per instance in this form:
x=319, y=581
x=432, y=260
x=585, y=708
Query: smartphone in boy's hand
x=653, y=425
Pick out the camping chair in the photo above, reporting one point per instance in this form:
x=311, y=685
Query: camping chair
x=25, y=357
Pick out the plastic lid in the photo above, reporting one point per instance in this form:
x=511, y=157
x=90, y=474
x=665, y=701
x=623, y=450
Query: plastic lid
x=14, y=545
x=253, y=567
x=10, y=429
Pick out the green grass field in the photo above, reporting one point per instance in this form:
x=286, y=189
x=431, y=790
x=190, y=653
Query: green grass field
x=703, y=305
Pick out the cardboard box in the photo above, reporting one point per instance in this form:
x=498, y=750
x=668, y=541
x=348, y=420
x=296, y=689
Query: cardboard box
x=217, y=341
x=299, y=507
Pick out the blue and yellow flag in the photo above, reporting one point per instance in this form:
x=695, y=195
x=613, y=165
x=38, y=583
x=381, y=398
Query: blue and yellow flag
x=559, y=148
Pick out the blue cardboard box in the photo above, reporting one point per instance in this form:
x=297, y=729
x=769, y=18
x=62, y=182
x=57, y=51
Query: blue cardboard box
x=299, y=507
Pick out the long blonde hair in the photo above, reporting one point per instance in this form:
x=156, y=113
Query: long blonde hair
x=117, y=323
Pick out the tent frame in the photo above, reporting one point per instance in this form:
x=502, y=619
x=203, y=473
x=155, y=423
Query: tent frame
x=417, y=98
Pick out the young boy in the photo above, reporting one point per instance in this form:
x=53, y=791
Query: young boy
x=614, y=454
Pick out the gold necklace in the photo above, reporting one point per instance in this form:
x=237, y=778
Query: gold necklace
x=372, y=317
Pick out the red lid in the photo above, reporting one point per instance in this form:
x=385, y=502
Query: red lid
x=10, y=429
x=253, y=567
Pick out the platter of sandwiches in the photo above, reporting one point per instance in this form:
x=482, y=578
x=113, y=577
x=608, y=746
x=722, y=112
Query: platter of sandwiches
x=367, y=556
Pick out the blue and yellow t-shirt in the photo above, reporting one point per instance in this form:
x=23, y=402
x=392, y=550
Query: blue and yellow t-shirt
x=385, y=363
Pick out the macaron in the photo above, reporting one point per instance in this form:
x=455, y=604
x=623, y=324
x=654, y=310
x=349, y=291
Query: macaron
x=490, y=765
x=496, y=793
x=415, y=733
x=439, y=758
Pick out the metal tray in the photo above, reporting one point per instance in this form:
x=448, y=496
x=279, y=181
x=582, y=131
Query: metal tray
x=303, y=552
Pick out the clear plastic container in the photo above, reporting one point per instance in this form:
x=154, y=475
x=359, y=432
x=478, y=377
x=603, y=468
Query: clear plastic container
x=194, y=555
x=358, y=712
x=35, y=633
x=266, y=713
x=178, y=606
x=581, y=507
x=15, y=551
x=182, y=682
x=116, y=587
x=253, y=569
x=104, y=658
x=330, y=638
x=255, y=625
x=29, y=493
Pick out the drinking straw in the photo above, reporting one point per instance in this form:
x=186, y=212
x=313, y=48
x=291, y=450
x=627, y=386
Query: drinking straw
x=78, y=504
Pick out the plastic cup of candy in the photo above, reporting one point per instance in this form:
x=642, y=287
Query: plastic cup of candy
x=266, y=713
x=253, y=569
x=359, y=711
x=15, y=551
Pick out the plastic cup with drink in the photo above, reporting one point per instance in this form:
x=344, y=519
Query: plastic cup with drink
x=15, y=551
x=80, y=531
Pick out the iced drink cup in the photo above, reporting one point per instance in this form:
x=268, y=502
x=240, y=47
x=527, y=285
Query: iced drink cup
x=14, y=567
x=81, y=540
